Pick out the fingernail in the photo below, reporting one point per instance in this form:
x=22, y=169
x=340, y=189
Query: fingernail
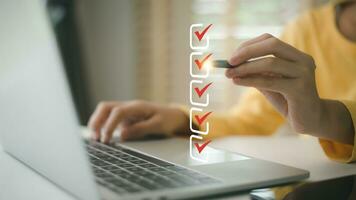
x=230, y=61
x=103, y=138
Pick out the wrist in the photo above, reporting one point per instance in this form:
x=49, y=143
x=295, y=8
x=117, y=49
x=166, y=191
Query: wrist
x=335, y=122
x=313, y=117
x=322, y=117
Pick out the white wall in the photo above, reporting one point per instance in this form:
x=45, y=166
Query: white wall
x=180, y=50
x=108, y=50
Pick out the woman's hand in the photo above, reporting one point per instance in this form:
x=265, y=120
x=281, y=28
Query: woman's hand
x=286, y=77
x=136, y=120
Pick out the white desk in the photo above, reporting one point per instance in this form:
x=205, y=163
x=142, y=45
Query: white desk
x=21, y=183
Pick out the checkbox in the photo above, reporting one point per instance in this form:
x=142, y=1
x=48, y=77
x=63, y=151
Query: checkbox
x=199, y=39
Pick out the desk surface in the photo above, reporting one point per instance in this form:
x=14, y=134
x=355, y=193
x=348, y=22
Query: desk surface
x=18, y=182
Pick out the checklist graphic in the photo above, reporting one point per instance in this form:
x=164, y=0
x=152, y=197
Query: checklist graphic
x=200, y=63
x=200, y=119
x=197, y=146
x=198, y=71
x=196, y=84
x=199, y=91
x=199, y=32
x=193, y=116
x=200, y=147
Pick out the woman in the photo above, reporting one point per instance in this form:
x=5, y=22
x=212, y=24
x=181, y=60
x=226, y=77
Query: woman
x=310, y=82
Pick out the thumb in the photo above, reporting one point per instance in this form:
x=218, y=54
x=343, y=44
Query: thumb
x=139, y=129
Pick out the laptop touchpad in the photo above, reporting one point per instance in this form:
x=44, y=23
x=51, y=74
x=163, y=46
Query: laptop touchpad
x=212, y=156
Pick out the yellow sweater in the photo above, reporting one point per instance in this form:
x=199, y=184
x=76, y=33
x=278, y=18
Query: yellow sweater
x=316, y=34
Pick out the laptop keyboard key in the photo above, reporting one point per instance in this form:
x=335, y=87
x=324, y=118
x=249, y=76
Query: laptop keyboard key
x=147, y=184
x=119, y=183
x=138, y=162
x=104, y=175
x=148, y=165
x=98, y=170
x=143, y=173
x=110, y=167
x=157, y=169
x=134, y=169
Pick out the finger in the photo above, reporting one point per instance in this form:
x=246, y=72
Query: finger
x=118, y=114
x=252, y=41
x=273, y=84
x=256, y=39
x=99, y=117
x=268, y=65
x=269, y=46
x=139, y=129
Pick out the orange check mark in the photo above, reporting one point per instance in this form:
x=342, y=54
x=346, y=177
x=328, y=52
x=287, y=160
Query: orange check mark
x=200, y=120
x=201, y=35
x=201, y=147
x=199, y=63
x=201, y=92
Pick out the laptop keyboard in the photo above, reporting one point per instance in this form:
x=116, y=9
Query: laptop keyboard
x=126, y=171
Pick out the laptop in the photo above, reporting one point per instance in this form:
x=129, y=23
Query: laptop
x=39, y=128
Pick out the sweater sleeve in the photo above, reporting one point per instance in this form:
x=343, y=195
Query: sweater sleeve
x=338, y=151
x=254, y=115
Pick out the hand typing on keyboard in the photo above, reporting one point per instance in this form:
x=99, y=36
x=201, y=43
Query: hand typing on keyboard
x=136, y=120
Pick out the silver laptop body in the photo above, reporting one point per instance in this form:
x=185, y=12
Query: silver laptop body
x=39, y=125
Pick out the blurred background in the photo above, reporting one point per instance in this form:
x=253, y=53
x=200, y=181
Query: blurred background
x=139, y=49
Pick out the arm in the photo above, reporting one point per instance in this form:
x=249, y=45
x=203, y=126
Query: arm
x=287, y=80
x=335, y=123
x=336, y=150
